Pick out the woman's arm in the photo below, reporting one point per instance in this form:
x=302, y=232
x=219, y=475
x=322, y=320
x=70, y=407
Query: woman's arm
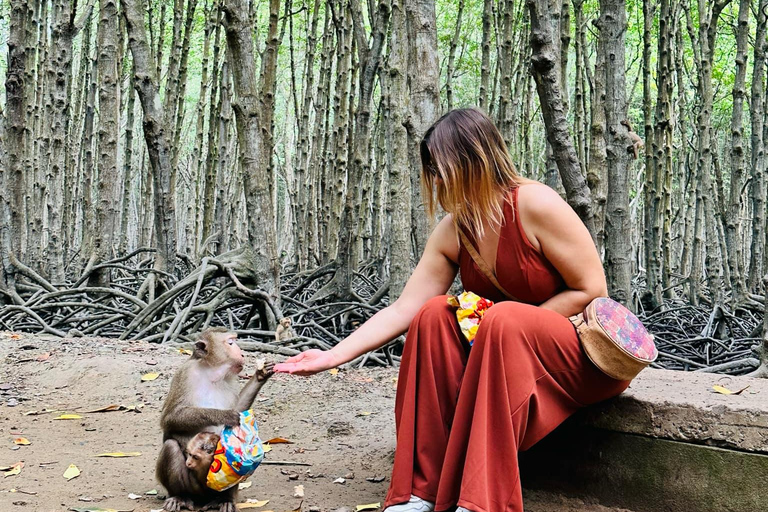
x=432, y=276
x=555, y=228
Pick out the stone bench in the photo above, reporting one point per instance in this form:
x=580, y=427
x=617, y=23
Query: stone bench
x=669, y=443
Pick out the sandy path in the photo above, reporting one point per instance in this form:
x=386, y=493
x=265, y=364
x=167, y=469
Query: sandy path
x=340, y=424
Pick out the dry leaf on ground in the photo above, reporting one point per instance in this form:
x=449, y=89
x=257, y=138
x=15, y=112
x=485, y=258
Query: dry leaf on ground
x=68, y=417
x=22, y=441
x=119, y=454
x=279, y=440
x=13, y=469
x=72, y=472
x=369, y=506
x=149, y=376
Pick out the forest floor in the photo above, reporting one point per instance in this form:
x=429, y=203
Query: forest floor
x=340, y=424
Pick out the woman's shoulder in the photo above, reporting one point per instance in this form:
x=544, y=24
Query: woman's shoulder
x=538, y=199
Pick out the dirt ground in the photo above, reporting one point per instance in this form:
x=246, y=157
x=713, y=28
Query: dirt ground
x=341, y=425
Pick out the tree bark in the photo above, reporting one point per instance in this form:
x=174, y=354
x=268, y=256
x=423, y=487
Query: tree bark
x=155, y=134
x=424, y=95
x=253, y=117
x=108, y=203
x=399, y=175
x=618, y=251
x=733, y=218
x=758, y=158
x=545, y=67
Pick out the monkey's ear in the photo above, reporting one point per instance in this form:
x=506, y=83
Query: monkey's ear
x=201, y=349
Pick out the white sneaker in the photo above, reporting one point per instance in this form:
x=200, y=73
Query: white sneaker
x=462, y=509
x=415, y=504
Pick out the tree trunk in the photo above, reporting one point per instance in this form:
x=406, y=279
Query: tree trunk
x=545, y=67
x=451, y=67
x=485, y=66
x=155, y=134
x=618, y=253
x=424, y=95
x=758, y=159
x=13, y=183
x=253, y=116
x=107, y=205
x=399, y=175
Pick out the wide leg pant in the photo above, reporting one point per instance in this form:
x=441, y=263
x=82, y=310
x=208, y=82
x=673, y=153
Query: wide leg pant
x=463, y=414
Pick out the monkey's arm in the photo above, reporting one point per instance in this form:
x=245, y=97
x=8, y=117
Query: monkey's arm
x=251, y=389
x=187, y=419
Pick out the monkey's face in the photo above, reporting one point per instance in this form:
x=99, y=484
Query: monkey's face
x=220, y=349
x=233, y=352
x=200, y=451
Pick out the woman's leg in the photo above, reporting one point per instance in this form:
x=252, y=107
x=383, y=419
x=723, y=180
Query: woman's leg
x=431, y=369
x=526, y=373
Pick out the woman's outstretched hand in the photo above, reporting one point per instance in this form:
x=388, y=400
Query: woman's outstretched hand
x=308, y=362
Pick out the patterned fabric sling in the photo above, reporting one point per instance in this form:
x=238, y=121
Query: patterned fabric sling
x=613, y=338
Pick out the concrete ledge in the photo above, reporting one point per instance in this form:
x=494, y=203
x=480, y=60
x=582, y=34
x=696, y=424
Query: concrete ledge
x=682, y=406
x=669, y=443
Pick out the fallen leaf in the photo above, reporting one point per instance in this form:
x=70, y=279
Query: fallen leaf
x=132, y=496
x=279, y=440
x=364, y=413
x=369, y=506
x=68, y=417
x=153, y=492
x=71, y=472
x=13, y=469
x=15, y=336
x=333, y=371
x=375, y=479
x=725, y=391
x=43, y=357
x=185, y=351
x=267, y=448
x=149, y=376
x=119, y=454
x=244, y=485
x=23, y=441
x=298, y=491
x=339, y=480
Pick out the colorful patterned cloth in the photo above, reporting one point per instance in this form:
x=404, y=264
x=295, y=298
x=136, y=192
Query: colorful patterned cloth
x=237, y=455
x=469, y=312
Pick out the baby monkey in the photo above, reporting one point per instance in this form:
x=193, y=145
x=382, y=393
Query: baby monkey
x=199, y=452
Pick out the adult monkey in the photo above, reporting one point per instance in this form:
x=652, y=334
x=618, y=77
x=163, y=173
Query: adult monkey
x=204, y=396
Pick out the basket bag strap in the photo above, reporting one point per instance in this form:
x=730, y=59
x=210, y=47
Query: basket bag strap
x=483, y=266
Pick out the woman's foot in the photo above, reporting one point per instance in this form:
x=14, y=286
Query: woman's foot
x=415, y=504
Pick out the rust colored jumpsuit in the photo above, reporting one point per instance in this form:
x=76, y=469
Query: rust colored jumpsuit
x=463, y=414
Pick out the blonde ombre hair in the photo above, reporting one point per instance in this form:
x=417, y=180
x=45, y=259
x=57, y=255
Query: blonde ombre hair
x=466, y=168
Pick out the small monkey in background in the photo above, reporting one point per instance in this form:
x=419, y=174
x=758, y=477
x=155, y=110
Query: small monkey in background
x=284, y=330
x=204, y=397
x=637, y=142
x=199, y=452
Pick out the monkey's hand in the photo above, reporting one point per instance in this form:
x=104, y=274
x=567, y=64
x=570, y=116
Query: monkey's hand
x=231, y=418
x=265, y=371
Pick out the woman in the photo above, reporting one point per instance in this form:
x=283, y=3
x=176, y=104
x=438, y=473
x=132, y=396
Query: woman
x=462, y=413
